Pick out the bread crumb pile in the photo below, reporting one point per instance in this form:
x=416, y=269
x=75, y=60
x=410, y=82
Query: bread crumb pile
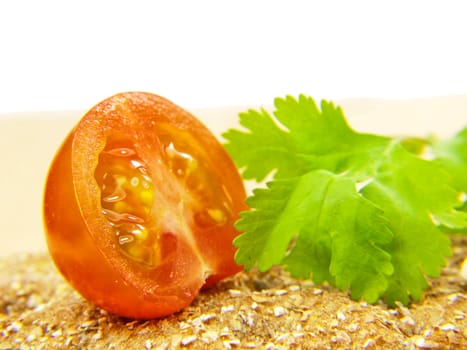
x=39, y=310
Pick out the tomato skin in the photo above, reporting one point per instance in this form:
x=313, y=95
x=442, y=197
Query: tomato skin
x=82, y=242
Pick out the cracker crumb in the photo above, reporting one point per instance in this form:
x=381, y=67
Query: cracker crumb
x=188, y=340
x=226, y=309
x=279, y=311
x=251, y=310
x=235, y=293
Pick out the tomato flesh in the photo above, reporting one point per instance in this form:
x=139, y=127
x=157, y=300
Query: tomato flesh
x=139, y=206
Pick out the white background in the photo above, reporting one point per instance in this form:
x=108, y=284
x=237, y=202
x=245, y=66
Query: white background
x=71, y=54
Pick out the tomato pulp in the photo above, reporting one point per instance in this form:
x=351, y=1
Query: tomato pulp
x=139, y=206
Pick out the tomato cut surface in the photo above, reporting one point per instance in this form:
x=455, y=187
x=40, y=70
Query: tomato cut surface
x=139, y=206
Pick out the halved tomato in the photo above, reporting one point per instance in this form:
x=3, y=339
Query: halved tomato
x=139, y=206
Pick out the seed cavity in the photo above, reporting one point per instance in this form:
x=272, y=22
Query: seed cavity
x=196, y=178
x=127, y=195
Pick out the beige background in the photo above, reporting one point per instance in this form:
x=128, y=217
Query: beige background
x=28, y=142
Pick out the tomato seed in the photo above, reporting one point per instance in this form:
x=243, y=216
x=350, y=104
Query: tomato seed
x=182, y=164
x=125, y=239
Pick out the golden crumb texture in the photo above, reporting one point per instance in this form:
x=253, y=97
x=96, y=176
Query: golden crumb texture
x=39, y=310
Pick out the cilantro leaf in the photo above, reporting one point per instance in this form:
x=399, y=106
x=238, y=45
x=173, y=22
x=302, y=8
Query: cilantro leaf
x=301, y=138
x=265, y=148
x=321, y=218
x=451, y=154
x=411, y=190
x=357, y=210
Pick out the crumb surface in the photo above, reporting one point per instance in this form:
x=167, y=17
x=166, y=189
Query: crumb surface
x=39, y=310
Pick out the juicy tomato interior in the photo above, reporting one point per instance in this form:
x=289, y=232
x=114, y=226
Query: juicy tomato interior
x=140, y=205
x=127, y=193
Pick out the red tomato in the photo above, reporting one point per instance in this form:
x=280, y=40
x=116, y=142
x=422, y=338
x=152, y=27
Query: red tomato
x=139, y=206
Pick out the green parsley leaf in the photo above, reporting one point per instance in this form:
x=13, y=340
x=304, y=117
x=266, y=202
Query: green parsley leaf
x=360, y=211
